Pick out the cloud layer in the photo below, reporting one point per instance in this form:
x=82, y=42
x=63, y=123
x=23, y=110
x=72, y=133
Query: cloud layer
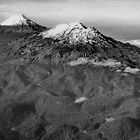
x=76, y=10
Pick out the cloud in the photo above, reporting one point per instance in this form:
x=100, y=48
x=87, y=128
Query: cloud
x=3, y=6
x=117, y=17
x=126, y=11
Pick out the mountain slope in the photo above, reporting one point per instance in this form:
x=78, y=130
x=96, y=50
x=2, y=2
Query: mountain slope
x=69, y=83
x=73, y=41
x=16, y=27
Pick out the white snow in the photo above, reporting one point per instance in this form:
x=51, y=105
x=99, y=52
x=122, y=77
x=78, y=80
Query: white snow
x=109, y=62
x=131, y=70
x=83, y=61
x=104, y=63
x=81, y=99
x=73, y=32
x=110, y=119
x=134, y=42
x=18, y=19
x=79, y=61
x=57, y=31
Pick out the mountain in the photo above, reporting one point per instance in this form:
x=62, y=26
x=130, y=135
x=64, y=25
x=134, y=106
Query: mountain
x=79, y=44
x=16, y=27
x=74, y=33
x=70, y=82
x=17, y=20
x=20, y=22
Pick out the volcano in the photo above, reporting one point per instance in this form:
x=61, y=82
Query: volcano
x=69, y=82
x=21, y=22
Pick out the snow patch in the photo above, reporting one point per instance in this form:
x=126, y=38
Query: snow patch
x=79, y=61
x=109, y=62
x=131, y=70
x=55, y=32
x=104, y=63
x=109, y=119
x=81, y=99
x=134, y=42
x=83, y=61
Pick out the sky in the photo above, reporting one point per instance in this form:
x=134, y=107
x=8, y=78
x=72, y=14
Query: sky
x=117, y=18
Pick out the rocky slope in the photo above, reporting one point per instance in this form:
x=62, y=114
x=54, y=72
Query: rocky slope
x=69, y=83
x=76, y=44
x=17, y=26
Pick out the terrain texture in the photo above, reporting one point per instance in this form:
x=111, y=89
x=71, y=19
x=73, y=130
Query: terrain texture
x=67, y=83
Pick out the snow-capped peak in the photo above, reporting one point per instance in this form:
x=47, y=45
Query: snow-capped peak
x=18, y=19
x=60, y=29
x=72, y=33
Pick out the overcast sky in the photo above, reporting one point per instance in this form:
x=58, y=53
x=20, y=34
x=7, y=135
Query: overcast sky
x=117, y=18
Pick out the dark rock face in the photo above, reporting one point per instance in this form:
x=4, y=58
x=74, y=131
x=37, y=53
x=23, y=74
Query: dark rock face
x=42, y=97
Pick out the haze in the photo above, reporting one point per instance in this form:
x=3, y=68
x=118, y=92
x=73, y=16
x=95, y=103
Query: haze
x=116, y=18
